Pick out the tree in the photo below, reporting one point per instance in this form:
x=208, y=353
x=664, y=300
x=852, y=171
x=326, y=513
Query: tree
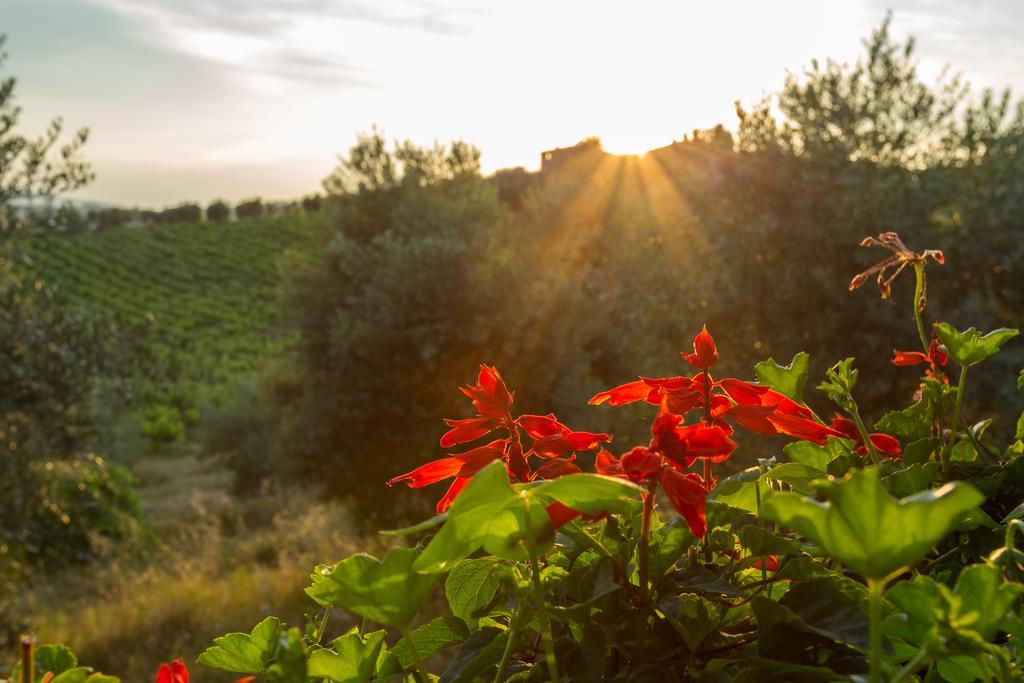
x=36, y=168
x=58, y=497
x=249, y=208
x=218, y=212
x=394, y=306
x=312, y=202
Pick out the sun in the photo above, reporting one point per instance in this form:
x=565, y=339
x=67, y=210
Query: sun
x=634, y=142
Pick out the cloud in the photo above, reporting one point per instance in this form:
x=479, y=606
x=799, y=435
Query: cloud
x=972, y=37
x=265, y=38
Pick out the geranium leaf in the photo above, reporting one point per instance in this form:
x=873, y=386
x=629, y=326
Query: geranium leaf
x=468, y=518
x=789, y=380
x=386, y=591
x=867, y=530
x=471, y=586
x=970, y=347
x=244, y=653
x=590, y=493
x=432, y=637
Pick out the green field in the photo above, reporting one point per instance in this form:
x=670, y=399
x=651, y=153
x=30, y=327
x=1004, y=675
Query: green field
x=208, y=295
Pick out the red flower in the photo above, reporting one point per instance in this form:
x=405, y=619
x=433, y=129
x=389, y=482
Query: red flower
x=552, y=441
x=673, y=448
x=754, y=407
x=936, y=358
x=688, y=496
x=768, y=562
x=883, y=443
x=173, y=672
x=704, y=352
x=489, y=395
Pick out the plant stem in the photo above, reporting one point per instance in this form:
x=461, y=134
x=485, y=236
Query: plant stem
x=863, y=432
x=910, y=668
x=875, y=589
x=958, y=416
x=920, y=284
x=506, y=655
x=28, y=662
x=546, y=634
x=417, y=661
x=644, y=549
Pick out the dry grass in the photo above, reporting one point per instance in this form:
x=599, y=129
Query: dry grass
x=221, y=565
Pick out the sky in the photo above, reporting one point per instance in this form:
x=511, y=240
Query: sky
x=204, y=99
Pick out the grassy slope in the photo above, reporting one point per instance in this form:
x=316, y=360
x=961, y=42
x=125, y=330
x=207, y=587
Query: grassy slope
x=210, y=291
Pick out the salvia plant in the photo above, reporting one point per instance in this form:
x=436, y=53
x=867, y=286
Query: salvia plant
x=866, y=553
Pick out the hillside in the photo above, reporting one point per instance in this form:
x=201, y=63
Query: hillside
x=207, y=295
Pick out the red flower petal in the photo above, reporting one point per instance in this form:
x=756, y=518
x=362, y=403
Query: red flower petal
x=452, y=492
x=883, y=443
x=516, y=462
x=785, y=405
x=937, y=353
x=490, y=396
x=704, y=352
x=586, y=441
x=607, y=464
x=802, y=428
x=464, y=431
x=707, y=442
x=173, y=672
x=560, y=514
x=429, y=473
x=742, y=392
x=552, y=469
x=624, y=393
x=908, y=357
x=539, y=426
x=846, y=426
x=754, y=418
x=640, y=463
x=667, y=438
x=688, y=497
x=768, y=562
x=475, y=459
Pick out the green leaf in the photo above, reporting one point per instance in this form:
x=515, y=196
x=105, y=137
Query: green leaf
x=386, y=591
x=590, y=493
x=969, y=347
x=785, y=379
x=244, y=653
x=762, y=542
x=432, y=637
x=833, y=607
x=463, y=532
x=477, y=656
x=910, y=424
x=986, y=595
x=54, y=659
x=910, y=480
x=796, y=475
x=693, y=617
x=427, y=525
x=470, y=588
x=290, y=663
x=84, y=674
x=812, y=455
x=739, y=490
x=354, y=658
x=920, y=451
x=866, y=529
